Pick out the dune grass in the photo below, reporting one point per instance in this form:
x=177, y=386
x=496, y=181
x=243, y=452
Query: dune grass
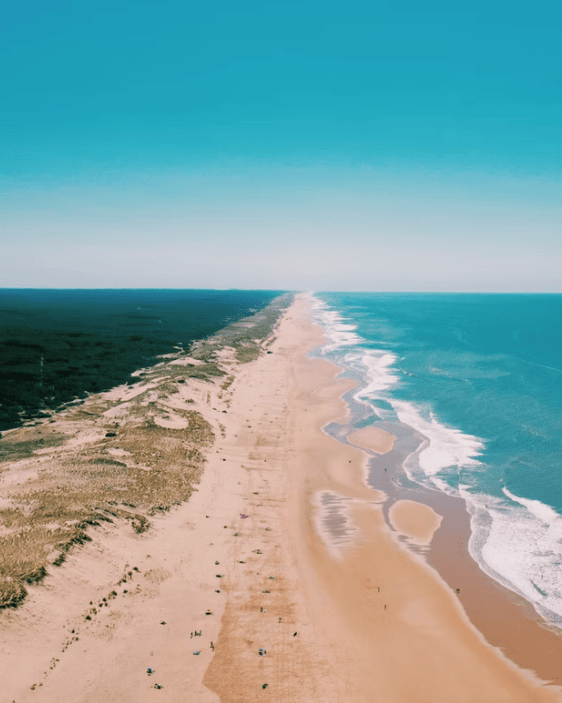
x=104, y=461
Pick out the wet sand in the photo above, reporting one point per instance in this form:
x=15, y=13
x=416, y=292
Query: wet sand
x=506, y=620
x=373, y=438
x=415, y=521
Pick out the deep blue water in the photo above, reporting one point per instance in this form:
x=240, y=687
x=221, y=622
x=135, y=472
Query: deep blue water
x=479, y=377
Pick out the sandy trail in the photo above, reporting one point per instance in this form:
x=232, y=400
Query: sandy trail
x=308, y=573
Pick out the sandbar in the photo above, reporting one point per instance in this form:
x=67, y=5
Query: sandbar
x=373, y=438
x=414, y=520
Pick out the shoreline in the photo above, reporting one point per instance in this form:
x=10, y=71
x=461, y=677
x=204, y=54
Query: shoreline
x=504, y=618
x=344, y=596
x=287, y=612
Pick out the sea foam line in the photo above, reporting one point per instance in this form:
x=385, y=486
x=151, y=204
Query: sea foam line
x=443, y=448
x=516, y=541
x=337, y=330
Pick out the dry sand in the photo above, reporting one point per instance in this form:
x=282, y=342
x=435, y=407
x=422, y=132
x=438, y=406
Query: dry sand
x=308, y=572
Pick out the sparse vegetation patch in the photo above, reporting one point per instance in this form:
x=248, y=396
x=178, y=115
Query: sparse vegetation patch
x=111, y=459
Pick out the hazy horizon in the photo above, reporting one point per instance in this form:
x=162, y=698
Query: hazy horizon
x=298, y=147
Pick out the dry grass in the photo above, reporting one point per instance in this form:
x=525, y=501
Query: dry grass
x=75, y=489
x=248, y=336
x=88, y=468
x=24, y=443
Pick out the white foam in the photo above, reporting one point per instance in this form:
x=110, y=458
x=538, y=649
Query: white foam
x=444, y=447
x=517, y=542
x=340, y=333
x=379, y=374
x=380, y=377
x=525, y=551
x=547, y=515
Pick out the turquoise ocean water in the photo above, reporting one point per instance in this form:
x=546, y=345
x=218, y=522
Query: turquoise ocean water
x=478, y=378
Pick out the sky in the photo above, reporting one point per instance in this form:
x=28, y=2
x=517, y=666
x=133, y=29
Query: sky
x=398, y=146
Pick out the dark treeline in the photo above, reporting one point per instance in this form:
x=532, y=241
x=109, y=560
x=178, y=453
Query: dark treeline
x=58, y=345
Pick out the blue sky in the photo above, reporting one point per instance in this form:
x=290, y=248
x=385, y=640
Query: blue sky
x=311, y=145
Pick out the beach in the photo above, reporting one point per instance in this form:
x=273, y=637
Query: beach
x=278, y=577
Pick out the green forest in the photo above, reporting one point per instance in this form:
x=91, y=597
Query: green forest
x=57, y=346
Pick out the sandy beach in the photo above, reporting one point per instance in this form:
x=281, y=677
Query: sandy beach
x=278, y=579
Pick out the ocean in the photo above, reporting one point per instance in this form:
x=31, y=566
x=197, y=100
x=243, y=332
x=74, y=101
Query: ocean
x=472, y=386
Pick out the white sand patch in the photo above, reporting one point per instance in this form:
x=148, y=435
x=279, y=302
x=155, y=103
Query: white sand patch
x=16, y=476
x=185, y=397
x=82, y=440
x=139, y=372
x=171, y=422
x=178, y=403
x=118, y=410
x=186, y=361
x=125, y=392
x=226, y=354
x=151, y=397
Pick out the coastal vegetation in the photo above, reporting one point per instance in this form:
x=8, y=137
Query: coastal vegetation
x=122, y=457
x=57, y=346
